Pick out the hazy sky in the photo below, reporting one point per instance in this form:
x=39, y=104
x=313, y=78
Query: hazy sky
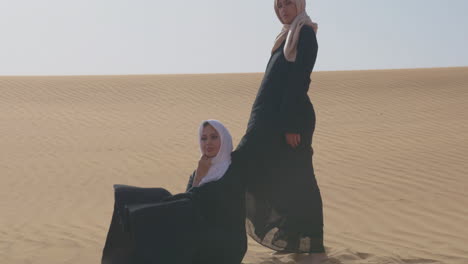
x=56, y=37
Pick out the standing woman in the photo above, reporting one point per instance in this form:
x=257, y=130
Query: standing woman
x=284, y=205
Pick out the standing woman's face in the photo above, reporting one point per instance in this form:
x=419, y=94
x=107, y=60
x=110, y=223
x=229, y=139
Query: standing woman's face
x=210, y=141
x=287, y=10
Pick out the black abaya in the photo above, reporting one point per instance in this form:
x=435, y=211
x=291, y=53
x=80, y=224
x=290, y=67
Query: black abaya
x=204, y=225
x=283, y=201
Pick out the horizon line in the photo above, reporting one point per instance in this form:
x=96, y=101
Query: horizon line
x=217, y=73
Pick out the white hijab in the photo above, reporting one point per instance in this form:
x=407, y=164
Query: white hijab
x=290, y=32
x=220, y=163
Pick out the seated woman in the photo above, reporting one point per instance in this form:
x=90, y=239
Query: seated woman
x=206, y=224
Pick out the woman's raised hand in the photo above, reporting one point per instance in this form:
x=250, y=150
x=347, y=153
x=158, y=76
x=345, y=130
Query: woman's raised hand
x=293, y=139
x=203, y=166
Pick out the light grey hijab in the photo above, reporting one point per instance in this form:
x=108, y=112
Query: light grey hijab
x=290, y=32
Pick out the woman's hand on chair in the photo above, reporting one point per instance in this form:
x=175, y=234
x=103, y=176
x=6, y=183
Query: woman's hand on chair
x=293, y=139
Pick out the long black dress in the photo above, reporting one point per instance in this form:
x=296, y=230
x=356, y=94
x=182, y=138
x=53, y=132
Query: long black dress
x=283, y=201
x=204, y=225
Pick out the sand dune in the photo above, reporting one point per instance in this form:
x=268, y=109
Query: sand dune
x=390, y=158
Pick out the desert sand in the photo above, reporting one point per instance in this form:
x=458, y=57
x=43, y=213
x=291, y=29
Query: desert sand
x=390, y=157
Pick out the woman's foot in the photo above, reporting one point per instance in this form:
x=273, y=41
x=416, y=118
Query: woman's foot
x=312, y=258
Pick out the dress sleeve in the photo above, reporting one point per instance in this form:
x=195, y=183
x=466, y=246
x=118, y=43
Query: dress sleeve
x=295, y=95
x=190, y=182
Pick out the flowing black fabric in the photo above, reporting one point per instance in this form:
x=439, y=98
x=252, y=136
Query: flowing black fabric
x=119, y=247
x=165, y=232
x=204, y=225
x=221, y=206
x=283, y=201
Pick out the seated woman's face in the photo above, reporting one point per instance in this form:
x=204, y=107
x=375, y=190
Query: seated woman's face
x=210, y=141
